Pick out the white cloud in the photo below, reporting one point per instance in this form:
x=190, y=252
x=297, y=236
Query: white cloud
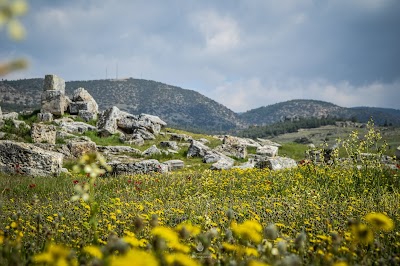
x=220, y=33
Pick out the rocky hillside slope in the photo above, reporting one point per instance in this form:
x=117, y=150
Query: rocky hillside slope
x=179, y=107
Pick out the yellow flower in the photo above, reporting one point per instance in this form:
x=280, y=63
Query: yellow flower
x=251, y=252
x=257, y=263
x=166, y=233
x=93, y=251
x=180, y=259
x=230, y=247
x=363, y=234
x=380, y=221
x=340, y=263
x=171, y=237
x=191, y=229
x=134, y=257
x=250, y=230
x=55, y=255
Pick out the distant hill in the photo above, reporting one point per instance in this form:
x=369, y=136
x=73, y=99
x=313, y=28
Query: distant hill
x=186, y=109
x=179, y=107
x=294, y=109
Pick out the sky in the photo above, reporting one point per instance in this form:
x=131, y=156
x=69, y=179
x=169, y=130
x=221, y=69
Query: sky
x=243, y=54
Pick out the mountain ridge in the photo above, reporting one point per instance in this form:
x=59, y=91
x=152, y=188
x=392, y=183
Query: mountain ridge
x=183, y=108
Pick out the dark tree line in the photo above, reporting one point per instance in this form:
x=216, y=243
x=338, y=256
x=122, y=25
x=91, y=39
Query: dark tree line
x=286, y=127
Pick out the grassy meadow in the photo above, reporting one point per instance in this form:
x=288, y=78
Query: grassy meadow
x=345, y=213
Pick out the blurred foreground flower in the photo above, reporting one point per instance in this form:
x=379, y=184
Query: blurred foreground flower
x=380, y=221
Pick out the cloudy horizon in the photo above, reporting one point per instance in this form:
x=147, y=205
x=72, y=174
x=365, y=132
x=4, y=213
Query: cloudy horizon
x=242, y=54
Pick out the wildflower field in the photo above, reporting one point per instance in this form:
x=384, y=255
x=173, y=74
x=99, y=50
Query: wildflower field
x=326, y=214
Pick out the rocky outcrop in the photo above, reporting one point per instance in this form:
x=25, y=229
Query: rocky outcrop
x=83, y=105
x=169, y=145
x=75, y=127
x=270, y=151
x=276, y=163
x=107, y=122
x=224, y=163
x=234, y=150
x=140, y=167
x=179, y=137
x=153, y=150
x=197, y=149
x=43, y=133
x=81, y=146
x=118, y=149
x=113, y=120
x=27, y=159
x=53, y=96
x=174, y=164
x=45, y=117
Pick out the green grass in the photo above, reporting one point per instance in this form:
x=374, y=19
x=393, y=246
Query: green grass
x=293, y=150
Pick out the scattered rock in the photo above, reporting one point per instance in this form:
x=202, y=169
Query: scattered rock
x=118, y=149
x=132, y=139
x=180, y=137
x=153, y=150
x=197, y=149
x=45, y=117
x=235, y=150
x=224, y=163
x=268, y=150
x=268, y=142
x=27, y=159
x=397, y=153
x=141, y=167
x=53, y=82
x=76, y=127
x=174, y=164
x=169, y=144
x=276, y=163
x=246, y=165
x=43, y=133
x=107, y=122
x=83, y=105
x=11, y=116
x=81, y=146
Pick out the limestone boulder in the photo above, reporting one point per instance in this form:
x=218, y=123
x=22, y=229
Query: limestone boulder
x=397, y=153
x=10, y=116
x=267, y=150
x=139, y=167
x=84, y=105
x=132, y=139
x=180, y=137
x=118, y=149
x=235, y=150
x=81, y=146
x=45, y=117
x=75, y=127
x=53, y=82
x=107, y=121
x=43, y=133
x=53, y=101
x=169, y=145
x=224, y=163
x=174, y=164
x=276, y=163
x=27, y=159
x=153, y=150
x=146, y=135
x=197, y=149
x=268, y=142
x=152, y=123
